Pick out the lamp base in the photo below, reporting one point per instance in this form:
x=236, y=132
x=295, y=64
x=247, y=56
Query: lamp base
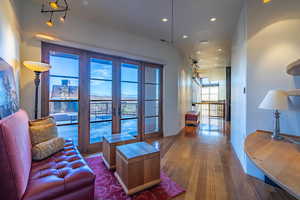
x=277, y=137
x=276, y=132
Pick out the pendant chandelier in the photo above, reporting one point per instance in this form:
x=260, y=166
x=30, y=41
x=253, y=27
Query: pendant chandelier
x=55, y=8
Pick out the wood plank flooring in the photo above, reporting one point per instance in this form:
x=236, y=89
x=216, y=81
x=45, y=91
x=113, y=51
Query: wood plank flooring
x=204, y=163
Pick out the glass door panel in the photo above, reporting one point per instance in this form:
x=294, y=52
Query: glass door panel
x=128, y=109
x=151, y=125
x=100, y=99
x=63, y=93
x=152, y=99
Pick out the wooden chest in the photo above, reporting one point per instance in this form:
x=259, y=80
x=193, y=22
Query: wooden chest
x=109, y=147
x=138, y=166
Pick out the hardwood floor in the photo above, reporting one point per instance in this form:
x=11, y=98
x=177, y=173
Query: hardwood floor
x=204, y=163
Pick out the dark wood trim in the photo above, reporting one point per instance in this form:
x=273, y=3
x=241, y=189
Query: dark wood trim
x=45, y=82
x=228, y=93
x=95, y=147
x=142, y=103
x=66, y=100
x=99, y=121
x=84, y=103
x=153, y=135
x=129, y=61
x=116, y=128
x=129, y=118
x=99, y=100
x=161, y=100
x=103, y=55
x=68, y=124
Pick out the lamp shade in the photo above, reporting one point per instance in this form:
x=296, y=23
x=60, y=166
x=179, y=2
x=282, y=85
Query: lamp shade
x=275, y=100
x=37, y=66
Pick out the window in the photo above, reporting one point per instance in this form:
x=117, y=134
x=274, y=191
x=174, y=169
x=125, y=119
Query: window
x=209, y=94
x=209, y=90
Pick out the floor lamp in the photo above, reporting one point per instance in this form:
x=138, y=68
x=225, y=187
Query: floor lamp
x=37, y=68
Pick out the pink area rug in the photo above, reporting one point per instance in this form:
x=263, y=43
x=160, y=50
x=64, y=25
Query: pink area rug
x=108, y=188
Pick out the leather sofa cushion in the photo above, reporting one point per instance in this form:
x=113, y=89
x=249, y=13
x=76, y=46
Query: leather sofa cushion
x=15, y=155
x=46, y=149
x=64, y=172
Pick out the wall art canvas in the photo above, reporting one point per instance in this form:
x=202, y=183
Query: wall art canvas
x=9, y=100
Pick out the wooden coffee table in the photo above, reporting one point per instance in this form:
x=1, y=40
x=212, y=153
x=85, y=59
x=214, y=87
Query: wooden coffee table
x=109, y=147
x=138, y=166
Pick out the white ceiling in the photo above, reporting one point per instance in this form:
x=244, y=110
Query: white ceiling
x=191, y=17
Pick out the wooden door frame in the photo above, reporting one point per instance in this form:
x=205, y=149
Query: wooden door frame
x=82, y=127
x=139, y=100
x=84, y=92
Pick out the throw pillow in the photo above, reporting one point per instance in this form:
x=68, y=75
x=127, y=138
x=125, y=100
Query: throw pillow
x=47, y=148
x=42, y=133
x=42, y=121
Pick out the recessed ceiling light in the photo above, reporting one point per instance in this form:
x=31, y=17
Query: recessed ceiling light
x=85, y=3
x=164, y=20
x=185, y=36
x=220, y=50
x=213, y=19
x=204, y=42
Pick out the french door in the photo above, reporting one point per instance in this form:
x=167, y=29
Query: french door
x=91, y=95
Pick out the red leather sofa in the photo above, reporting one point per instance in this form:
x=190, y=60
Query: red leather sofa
x=63, y=176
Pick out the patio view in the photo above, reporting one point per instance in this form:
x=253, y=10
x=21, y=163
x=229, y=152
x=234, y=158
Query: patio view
x=64, y=97
x=64, y=90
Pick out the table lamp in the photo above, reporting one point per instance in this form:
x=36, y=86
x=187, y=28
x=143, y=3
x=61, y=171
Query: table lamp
x=275, y=100
x=37, y=68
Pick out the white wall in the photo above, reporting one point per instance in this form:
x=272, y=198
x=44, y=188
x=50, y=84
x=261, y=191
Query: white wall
x=238, y=83
x=86, y=35
x=185, y=91
x=9, y=35
x=272, y=43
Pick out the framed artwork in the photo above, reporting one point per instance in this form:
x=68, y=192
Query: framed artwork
x=9, y=100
